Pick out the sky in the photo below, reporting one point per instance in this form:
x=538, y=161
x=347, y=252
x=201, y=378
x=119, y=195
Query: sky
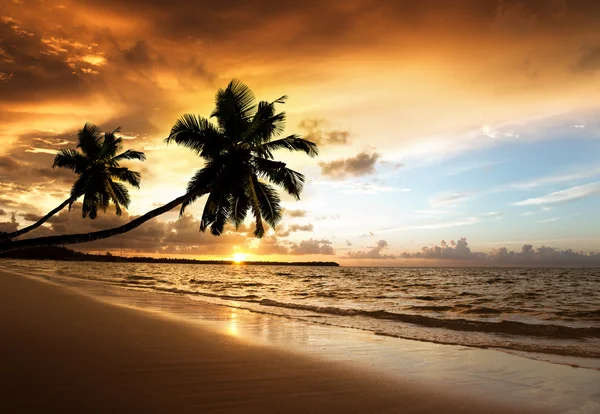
x=450, y=132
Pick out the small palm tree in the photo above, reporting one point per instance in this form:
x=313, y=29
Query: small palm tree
x=238, y=155
x=96, y=161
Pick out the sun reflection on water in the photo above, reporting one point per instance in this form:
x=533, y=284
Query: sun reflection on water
x=232, y=327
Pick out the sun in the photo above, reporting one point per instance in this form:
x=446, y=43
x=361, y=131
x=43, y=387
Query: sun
x=239, y=257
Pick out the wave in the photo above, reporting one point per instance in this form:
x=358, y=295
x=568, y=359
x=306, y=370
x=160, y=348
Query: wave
x=580, y=314
x=432, y=308
x=140, y=278
x=426, y=298
x=502, y=327
x=246, y=298
x=483, y=311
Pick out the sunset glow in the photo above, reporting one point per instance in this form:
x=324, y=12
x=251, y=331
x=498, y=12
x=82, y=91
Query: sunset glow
x=436, y=121
x=239, y=257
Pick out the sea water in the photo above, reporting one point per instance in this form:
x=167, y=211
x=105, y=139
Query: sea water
x=549, y=314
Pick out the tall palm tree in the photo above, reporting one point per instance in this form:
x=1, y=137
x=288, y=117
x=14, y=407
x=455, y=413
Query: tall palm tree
x=97, y=162
x=238, y=154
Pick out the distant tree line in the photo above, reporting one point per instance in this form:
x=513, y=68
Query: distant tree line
x=62, y=253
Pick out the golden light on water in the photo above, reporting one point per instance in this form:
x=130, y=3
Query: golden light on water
x=232, y=327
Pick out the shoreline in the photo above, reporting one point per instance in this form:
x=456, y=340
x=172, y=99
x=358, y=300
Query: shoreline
x=71, y=353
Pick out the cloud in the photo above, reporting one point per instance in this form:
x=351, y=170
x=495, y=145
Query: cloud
x=328, y=217
x=354, y=186
x=361, y=164
x=454, y=250
x=312, y=247
x=283, y=231
x=494, y=214
x=450, y=199
x=554, y=179
x=528, y=255
x=9, y=226
x=31, y=217
x=550, y=220
x=315, y=133
x=563, y=196
x=490, y=132
x=296, y=213
x=270, y=245
x=374, y=253
x=447, y=224
x=466, y=221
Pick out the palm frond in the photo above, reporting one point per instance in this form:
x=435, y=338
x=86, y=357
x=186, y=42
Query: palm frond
x=120, y=193
x=111, y=196
x=291, y=143
x=221, y=216
x=201, y=183
x=270, y=203
x=277, y=173
x=89, y=206
x=111, y=144
x=234, y=108
x=126, y=175
x=198, y=134
x=90, y=140
x=259, y=229
x=78, y=188
x=240, y=204
x=129, y=155
x=70, y=159
x=266, y=123
x=216, y=212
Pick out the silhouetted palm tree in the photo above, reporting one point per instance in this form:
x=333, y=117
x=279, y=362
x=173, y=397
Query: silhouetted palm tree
x=100, y=175
x=238, y=153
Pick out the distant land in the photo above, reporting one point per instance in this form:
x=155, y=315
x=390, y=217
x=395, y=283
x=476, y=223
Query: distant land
x=64, y=254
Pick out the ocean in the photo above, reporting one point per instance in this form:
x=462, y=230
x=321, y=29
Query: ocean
x=547, y=314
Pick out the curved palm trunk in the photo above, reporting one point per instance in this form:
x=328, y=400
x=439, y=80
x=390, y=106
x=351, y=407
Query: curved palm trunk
x=37, y=224
x=9, y=245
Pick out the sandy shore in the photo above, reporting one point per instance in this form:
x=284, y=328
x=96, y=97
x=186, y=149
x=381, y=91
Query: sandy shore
x=65, y=352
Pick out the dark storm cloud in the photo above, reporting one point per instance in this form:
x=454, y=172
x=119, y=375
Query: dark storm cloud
x=361, y=164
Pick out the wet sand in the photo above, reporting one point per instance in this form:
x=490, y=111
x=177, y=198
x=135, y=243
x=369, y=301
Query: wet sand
x=66, y=352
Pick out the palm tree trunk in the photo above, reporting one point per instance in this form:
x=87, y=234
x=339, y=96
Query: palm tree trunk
x=37, y=224
x=9, y=245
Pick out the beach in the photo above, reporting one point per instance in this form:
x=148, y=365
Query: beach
x=66, y=352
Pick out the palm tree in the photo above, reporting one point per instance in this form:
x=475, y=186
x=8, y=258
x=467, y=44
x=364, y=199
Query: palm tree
x=238, y=154
x=101, y=177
